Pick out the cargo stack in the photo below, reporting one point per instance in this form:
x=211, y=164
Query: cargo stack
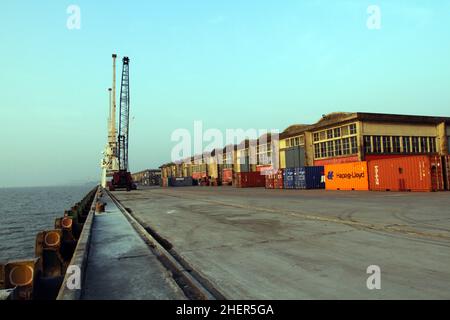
x=346, y=176
x=414, y=173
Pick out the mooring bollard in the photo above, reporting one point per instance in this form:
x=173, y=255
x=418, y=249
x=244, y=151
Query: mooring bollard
x=99, y=207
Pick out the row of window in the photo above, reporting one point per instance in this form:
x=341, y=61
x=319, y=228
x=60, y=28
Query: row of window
x=295, y=141
x=335, y=148
x=335, y=133
x=398, y=144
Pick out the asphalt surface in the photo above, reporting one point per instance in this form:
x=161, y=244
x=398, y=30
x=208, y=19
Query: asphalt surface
x=305, y=244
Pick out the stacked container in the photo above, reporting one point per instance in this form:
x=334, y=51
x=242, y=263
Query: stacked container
x=346, y=176
x=309, y=178
x=414, y=173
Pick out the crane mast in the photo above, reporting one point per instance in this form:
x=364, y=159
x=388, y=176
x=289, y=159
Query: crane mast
x=124, y=117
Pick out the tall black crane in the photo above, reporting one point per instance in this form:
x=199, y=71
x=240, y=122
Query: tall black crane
x=124, y=116
x=122, y=179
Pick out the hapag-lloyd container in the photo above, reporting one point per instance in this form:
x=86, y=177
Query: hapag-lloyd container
x=249, y=180
x=309, y=177
x=413, y=173
x=346, y=176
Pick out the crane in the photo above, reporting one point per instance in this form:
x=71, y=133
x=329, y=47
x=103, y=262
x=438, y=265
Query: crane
x=122, y=178
x=110, y=162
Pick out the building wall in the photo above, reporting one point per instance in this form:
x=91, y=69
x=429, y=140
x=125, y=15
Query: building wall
x=397, y=138
x=397, y=129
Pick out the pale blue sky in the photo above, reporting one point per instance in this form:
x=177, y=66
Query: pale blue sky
x=231, y=64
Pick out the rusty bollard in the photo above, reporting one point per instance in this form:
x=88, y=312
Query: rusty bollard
x=99, y=207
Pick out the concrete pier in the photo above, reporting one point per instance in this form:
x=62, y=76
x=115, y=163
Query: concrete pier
x=120, y=265
x=294, y=244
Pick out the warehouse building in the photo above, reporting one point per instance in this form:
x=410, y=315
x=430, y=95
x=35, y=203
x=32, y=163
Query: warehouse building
x=336, y=138
x=348, y=137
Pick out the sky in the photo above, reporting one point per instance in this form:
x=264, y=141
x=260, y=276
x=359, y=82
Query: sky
x=230, y=64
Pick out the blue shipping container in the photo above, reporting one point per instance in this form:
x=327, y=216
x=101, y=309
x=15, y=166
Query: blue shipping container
x=309, y=178
x=288, y=178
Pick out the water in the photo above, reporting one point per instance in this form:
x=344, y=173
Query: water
x=26, y=211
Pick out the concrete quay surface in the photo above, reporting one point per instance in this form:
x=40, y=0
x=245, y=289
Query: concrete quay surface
x=304, y=244
x=120, y=265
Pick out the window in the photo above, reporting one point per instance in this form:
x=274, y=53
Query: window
x=352, y=128
x=337, y=147
x=337, y=132
x=396, y=144
x=415, y=144
x=376, y=144
x=387, y=145
x=316, y=151
x=432, y=142
x=322, y=135
x=344, y=131
x=329, y=134
x=316, y=136
x=296, y=141
x=323, y=150
x=354, y=145
x=367, y=144
x=406, y=145
x=330, y=148
x=424, y=144
x=346, y=146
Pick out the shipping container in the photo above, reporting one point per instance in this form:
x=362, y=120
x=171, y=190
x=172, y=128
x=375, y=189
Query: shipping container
x=227, y=176
x=289, y=178
x=274, y=180
x=447, y=171
x=165, y=182
x=249, y=180
x=337, y=160
x=347, y=176
x=181, y=182
x=270, y=181
x=412, y=173
x=309, y=178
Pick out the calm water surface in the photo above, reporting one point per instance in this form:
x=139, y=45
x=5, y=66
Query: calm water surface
x=26, y=211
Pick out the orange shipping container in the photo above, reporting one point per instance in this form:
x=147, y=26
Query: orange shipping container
x=346, y=176
x=414, y=173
